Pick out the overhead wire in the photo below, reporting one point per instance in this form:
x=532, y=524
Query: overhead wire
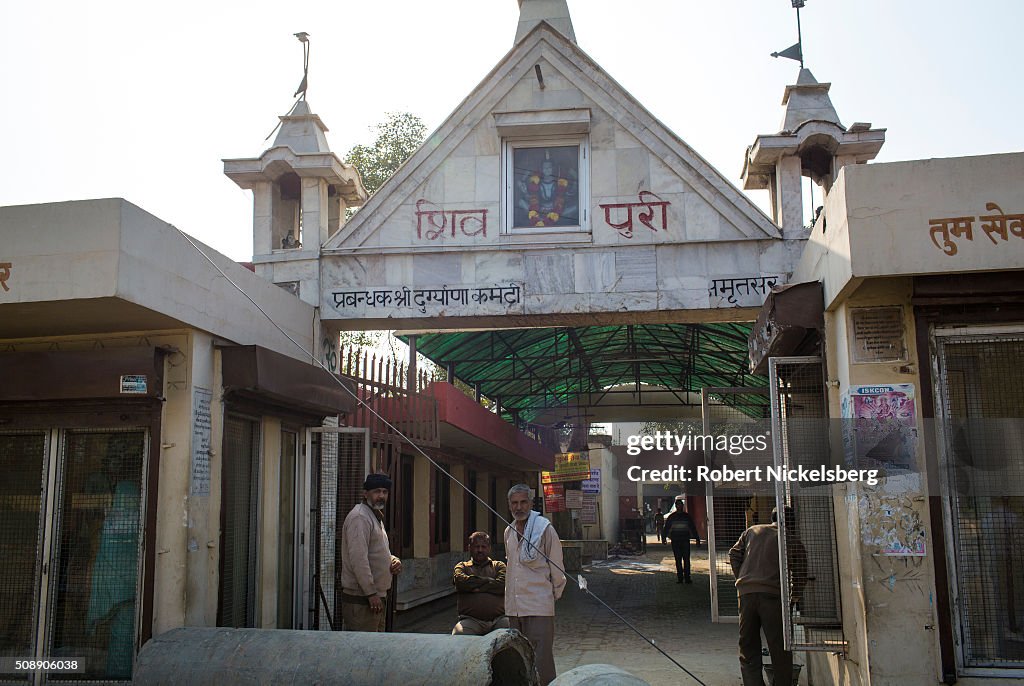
x=580, y=581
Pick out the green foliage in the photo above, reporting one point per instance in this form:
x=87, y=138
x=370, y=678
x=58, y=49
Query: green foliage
x=364, y=339
x=398, y=137
x=680, y=428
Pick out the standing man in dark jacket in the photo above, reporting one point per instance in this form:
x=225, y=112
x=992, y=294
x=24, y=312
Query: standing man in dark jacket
x=755, y=562
x=679, y=527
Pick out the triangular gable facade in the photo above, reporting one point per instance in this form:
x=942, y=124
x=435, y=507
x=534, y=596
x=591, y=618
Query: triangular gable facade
x=653, y=225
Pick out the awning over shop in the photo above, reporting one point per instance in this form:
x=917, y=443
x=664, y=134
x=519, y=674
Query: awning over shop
x=789, y=323
x=466, y=425
x=256, y=373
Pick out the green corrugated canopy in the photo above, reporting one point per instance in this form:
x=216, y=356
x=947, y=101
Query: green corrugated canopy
x=532, y=371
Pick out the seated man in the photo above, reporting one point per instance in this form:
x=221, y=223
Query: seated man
x=480, y=587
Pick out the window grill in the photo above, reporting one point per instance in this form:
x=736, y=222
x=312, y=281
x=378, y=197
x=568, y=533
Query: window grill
x=812, y=614
x=733, y=505
x=340, y=464
x=981, y=393
x=96, y=556
x=22, y=462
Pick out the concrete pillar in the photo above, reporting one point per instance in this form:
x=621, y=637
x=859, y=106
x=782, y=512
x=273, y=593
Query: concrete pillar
x=789, y=197
x=268, y=533
x=335, y=213
x=262, y=218
x=458, y=514
x=314, y=212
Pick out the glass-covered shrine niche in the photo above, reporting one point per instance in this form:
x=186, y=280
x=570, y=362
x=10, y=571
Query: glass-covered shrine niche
x=546, y=182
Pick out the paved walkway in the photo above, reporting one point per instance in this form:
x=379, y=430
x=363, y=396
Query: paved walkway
x=644, y=591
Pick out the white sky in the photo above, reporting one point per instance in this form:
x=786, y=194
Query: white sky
x=142, y=100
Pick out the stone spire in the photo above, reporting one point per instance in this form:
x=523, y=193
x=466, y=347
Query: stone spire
x=807, y=100
x=554, y=12
x=301, y=130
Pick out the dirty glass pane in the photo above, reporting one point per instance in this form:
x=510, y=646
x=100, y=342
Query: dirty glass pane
x=96, y=560
x=546, y=191
x=22, y=457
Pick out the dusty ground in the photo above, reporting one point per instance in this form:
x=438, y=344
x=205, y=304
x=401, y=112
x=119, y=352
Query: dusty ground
x=644, y=591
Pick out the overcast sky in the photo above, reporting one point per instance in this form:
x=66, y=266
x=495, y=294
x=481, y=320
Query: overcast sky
x=142, y=100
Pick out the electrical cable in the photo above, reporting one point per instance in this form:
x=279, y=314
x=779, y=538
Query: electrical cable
x=580, y=582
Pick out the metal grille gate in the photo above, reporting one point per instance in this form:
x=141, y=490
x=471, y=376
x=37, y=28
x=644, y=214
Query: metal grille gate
x=733, y=505
x=340, y=462
x=811, y=609
x=71, y=510
x=980, y=393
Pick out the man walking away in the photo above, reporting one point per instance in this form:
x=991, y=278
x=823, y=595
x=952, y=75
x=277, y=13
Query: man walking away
x=755, y=562
x=480, y=587
x=679, y=527
x=532, y=584
x=659, y=525
x=367, y=564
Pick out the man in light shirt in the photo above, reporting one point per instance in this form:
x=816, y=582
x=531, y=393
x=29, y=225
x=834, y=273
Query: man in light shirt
x=533, y=578
x=367, y=564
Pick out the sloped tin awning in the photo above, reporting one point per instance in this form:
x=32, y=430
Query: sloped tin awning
x=259, y=374
x=532, y=371
x=791, y=322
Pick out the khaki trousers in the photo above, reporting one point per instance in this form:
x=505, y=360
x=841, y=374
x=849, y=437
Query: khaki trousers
x=470, y=626
x=763, y=611
x=541, y=633
x=358, y=617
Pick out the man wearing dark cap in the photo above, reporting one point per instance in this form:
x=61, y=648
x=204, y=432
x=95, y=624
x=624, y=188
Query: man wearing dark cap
x=367, y=564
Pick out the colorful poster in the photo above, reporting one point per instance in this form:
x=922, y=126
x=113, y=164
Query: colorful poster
x=568, y=467
x=880, y=426
x=554, y=498
x=593, y=484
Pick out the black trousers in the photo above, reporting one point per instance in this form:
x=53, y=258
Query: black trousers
x=681, y=549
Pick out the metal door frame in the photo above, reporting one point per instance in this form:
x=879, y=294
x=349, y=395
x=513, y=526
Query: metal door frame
x=716, y=616
x=309, y=595
x=938, y=337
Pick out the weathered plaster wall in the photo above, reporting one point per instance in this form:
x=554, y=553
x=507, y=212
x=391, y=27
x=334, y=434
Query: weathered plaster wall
x=888, y=601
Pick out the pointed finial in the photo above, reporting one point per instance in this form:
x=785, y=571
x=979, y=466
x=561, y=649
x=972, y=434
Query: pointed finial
x=795, y=52
x=304, y=39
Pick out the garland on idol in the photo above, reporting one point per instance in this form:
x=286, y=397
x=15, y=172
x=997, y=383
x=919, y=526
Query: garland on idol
x=533, y=187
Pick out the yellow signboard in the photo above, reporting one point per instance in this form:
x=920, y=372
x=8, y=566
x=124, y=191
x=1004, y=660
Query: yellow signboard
x=568, y=467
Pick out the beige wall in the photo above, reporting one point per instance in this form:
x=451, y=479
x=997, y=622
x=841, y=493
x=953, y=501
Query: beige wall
x=887, y=601
x=879, y=221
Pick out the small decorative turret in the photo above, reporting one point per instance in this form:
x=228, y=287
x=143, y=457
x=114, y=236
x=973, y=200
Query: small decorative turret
x=812, y=143
x=300, y=187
